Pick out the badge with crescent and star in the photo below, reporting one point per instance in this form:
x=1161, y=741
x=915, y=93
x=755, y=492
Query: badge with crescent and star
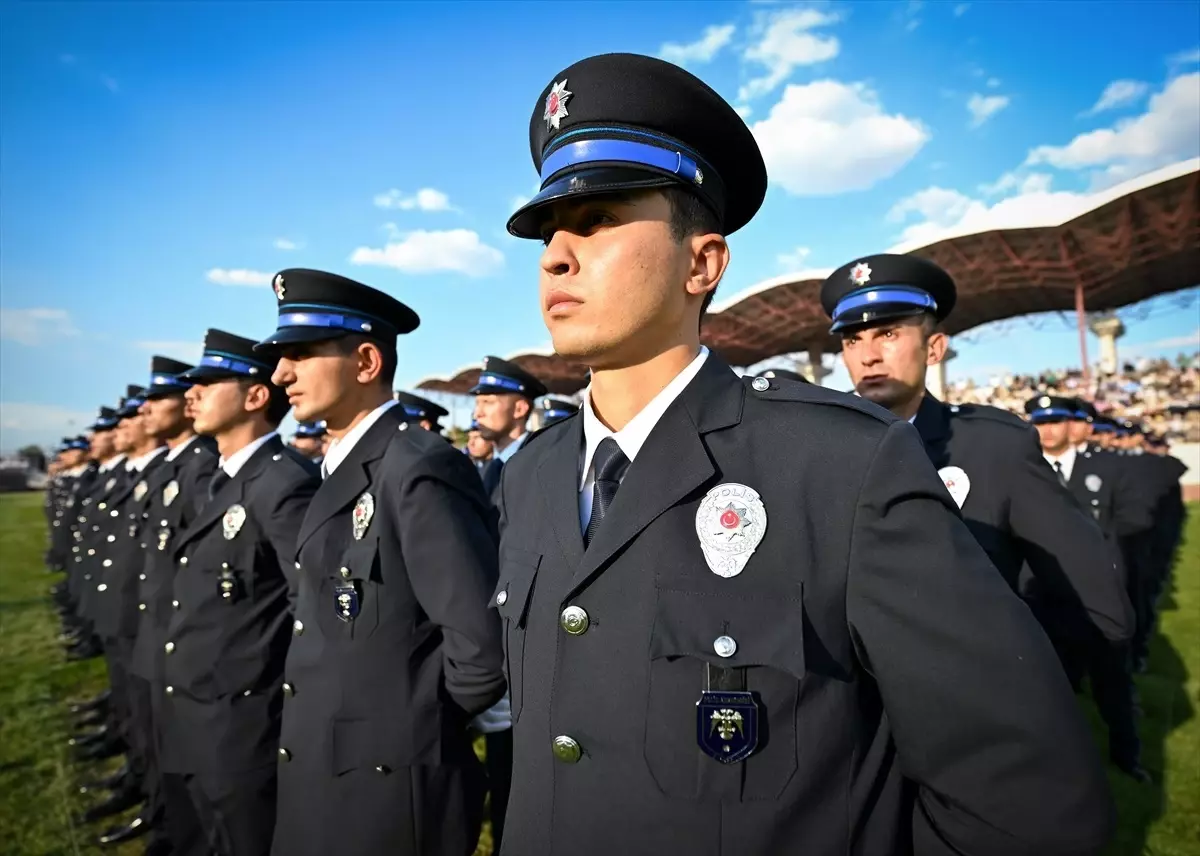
x=957, y=483
x=232, y=522
x=364, y=510
x=139, y=492
x=556, y=105
x=170, y=492
x=730, y=523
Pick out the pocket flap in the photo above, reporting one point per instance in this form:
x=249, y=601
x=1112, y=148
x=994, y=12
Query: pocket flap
x=765, y=629
x=518, y=569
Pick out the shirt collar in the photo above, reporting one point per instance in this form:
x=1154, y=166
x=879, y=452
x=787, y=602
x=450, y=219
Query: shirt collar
x=1066, y=458
x=111, y=464
x=234, y=463
x=511, y=448
x=179, y=450
x=141, y=463
x=340, y=449
x=633, y=436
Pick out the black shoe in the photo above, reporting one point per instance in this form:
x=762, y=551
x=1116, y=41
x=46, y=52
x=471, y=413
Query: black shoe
x=1136, y=772
x=117, y=803
x=136, y=828
x=100, y=751
x=95, y=717
x=88, y=738
x=111, y=783
x=97, y=703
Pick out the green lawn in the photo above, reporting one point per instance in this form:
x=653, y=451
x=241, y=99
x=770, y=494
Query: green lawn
x=38, y=782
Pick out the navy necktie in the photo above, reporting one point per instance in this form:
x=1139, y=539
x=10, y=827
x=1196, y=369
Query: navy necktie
x=220, y=477
x=1062, y=478
x=609, y=465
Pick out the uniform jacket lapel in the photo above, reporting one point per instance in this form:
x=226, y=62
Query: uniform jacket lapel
x=351, y=478
x=673, y=464
x=933, y=424
x=231, y=493
x=558, y=480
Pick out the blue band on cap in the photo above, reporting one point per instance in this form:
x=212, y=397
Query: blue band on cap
x=500, y=382
x=1102, y=428
x=168, y=380
x=561, y=414
x=237, y=365
x=132, y=404
x=335, y=320
x=624, y=151
x=104, y=424
x=1051, y=412
x=885, y=294
x=1079, y=414
x=414, y=412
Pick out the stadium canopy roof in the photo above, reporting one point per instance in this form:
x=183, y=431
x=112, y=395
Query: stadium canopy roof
x=1135, y=240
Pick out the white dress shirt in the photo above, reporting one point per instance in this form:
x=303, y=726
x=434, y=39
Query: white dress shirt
x=178, y=450
x=633, y=436
x=140, y=464
x=111, y=464
x=1066, y=460
x=234, y=463
x=340, y=449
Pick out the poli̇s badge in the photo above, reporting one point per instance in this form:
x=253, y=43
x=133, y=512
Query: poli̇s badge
x=278, y=286
x=232, y=522
x=170, y=492
x=139, y=492
x=1093, y=483
x=556, y=105
x=730, y=523
x=860, y=274
x=727, y=725
x=957, y=483
x=364, y=510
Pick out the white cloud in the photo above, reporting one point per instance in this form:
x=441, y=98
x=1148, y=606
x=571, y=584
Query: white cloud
x=1166, y=132
x=710, y=43
x=910, y=15
x=795, y=259
x=993, y=82
x=238, y=276
x=830, y=137
x=35, y=326
x=286, y=244
x=743, y=110
x=43, y=418
x=984, y=107
x=1191, y=341
x=785, y=42
x=1119, y=93
x=1185, y=58
x=425, y=199
x=185, y=350
x=961, y=9
x=454, y=250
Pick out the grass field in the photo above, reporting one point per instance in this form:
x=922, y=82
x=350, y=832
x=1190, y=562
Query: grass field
x=38, y=782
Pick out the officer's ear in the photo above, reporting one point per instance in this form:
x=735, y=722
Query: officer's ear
x=370, y=361
x=521, y=409
x=936, y=342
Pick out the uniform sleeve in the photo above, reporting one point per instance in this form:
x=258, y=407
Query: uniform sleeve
x=283, y=526
x=448, y=535
x=1065, y=549
x=983, y=719
x=1134, y=498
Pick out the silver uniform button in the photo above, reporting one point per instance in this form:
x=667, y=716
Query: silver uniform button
x=725, y=646
x=183, y=561
x=566, y=749
x=169, y=647
x=175, y=604
x=574, y=620
x=297, y=627
x=142, y=577
x=760, y=384
x=112, y=538
x=102, y=587
x=107, y=563
x=502, y=598
x=284, y=755
x=170, y=690
x=288, y=690
x=142, y=607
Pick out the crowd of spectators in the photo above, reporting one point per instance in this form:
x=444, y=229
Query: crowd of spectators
x=1163, y=396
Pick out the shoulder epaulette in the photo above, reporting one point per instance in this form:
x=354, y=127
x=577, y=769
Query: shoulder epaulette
x=295, y=458
x=785, y=390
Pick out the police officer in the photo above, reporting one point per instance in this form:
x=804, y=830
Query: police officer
x=704, y=633
x=422, y=411
x=886, y=309
x=504, y=396
x=229, y=625
x=554, y=409
x=393, y=647
x=1097, y=481
x=309, y=439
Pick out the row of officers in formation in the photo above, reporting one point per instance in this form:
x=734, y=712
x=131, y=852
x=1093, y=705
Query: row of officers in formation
x=706, y=614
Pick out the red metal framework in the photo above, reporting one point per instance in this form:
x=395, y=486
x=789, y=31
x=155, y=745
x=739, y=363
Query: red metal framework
x=1140, y=244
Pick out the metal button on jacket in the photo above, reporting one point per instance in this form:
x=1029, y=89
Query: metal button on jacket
x=284, y=755
x=170, y=690
x=725, y=646
x=175, y=604
x=297, y=627
x=288, y=690
x=574, y=620
x=566, y=749
x=761, y=384
x=502, y=597
x=169, y=647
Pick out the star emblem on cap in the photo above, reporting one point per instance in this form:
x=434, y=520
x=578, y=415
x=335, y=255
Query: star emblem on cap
x=556, y=105
x=1044, y=401
x=860, y=274
x=280, y=291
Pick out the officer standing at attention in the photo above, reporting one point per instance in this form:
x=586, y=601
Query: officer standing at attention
x=309, y=439
x=886, y=309
x=393, y=648
x=504, y=396
x=229, y=626
x=702, y=635
x=424, y=412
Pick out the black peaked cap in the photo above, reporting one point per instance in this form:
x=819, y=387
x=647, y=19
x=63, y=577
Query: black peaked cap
x=883, y=287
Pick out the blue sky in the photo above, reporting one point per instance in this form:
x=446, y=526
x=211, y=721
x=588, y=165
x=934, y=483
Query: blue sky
x=159, y=161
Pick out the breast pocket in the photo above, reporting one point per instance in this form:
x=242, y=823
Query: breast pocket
x=348, y=603
x=761, y=636
x=518, y=569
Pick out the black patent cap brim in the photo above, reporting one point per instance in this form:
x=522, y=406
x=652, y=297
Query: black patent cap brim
x=580, y=183
x=877, y=316
x=285, y=336
x=164, y=391
x=204, y=374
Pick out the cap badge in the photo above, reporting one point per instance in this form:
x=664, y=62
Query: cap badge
x=556, y=105
x=139, y=492
x=730, y=523
x=232, y=522
x=1044, y=401
x=957, y=483
x=170, y=492
x=1093, y=483
x=280, y=291
x=364, y=510
x=860, y=274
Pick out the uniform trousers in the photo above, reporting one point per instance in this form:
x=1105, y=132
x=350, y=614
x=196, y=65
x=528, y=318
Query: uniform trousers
x=1107, y=666
x=117, y=657
x=222, y=813
x=143, y=755
x=499, y=773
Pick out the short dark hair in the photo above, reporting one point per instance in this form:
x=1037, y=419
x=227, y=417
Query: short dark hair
x=929, y=325
x=690, y=216
x=277, y=405
x=348, y=344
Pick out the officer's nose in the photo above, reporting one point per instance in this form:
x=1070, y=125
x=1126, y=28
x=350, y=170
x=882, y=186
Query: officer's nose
x=284, y=372
x=558, y=259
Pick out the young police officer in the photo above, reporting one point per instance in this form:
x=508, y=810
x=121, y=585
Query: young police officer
x=714, y=647
x=394, y=648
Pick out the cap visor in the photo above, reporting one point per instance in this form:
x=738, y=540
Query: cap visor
x=877, y=315
x=591, y=181
x=291, y=335
x=164, y=391
x=203, y=373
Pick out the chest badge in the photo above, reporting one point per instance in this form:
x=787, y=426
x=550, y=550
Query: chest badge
x=139, y=492
x=957, y=482
x=232, y=522
x=727, y=725
x=364, y=510
x=110, y=484
x=730, y=523
x=1093, y=483
x=170, y=492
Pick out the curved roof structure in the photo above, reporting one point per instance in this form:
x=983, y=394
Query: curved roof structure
x=1133, y=241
